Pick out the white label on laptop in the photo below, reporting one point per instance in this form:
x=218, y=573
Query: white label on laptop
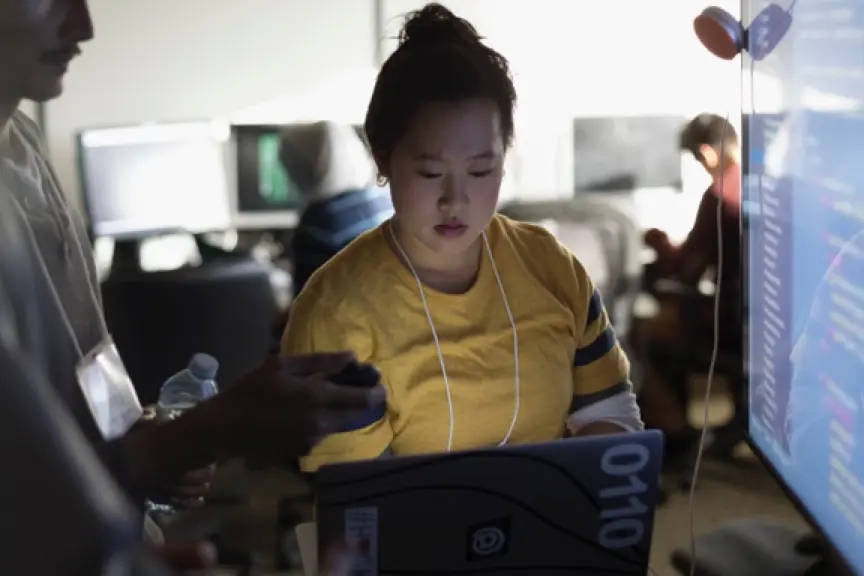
x=361, y=535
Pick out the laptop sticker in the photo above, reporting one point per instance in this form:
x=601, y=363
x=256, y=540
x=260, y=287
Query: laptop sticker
x=488, y=539
x=361, y=536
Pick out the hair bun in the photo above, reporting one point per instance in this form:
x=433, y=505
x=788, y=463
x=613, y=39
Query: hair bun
x=434, y=25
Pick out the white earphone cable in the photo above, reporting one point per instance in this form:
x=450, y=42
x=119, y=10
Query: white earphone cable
x=714, y=349
x=422, y=291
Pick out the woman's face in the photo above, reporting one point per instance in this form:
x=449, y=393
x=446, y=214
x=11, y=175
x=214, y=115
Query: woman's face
x=445, y=174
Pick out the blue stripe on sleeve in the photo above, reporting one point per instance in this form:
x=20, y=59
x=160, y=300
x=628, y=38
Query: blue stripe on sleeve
x=597, y=349
x=595, y=308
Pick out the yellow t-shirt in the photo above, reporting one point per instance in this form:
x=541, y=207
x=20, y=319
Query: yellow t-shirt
x=366, y=301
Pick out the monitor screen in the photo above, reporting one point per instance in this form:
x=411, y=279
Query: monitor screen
x=361, y=132
x=626, y=153
x=267, y=195
x=141, y=180
x=805, y=245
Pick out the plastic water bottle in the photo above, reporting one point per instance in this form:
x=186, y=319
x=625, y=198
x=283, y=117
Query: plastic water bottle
x=180, y=393
x=184, y=390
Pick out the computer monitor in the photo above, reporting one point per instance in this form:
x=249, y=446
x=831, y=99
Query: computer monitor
x=147, y=179
x=361, y=132
x=625, y=153
x=804, y=238
x=266, y=195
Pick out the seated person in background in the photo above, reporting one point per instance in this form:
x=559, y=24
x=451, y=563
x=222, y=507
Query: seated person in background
x=334, y=172
x=486, y=331
x=713, y=142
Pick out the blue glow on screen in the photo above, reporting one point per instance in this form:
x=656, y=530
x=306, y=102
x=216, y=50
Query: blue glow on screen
x=805, y=238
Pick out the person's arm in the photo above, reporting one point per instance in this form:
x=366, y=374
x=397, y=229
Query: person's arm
x=150, y=459
x=691, y=258
x=314, y=328
x=603, y=398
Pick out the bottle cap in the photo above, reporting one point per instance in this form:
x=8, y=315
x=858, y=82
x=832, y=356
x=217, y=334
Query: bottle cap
x=203, y=366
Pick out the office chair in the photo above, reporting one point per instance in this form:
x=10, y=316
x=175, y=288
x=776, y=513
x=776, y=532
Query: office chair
x=160, y=319
x=691, y=354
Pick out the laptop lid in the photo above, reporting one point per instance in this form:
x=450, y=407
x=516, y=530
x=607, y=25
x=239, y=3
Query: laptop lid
x=575, y=506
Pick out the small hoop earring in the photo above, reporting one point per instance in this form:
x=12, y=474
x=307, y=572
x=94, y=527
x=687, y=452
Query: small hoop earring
x=381, y=180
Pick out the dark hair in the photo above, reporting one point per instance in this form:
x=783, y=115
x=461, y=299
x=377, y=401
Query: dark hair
x=440, y=58
x=707, y=129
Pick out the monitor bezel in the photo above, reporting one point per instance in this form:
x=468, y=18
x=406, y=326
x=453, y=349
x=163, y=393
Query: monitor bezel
x=93, y=229
x=250, y=220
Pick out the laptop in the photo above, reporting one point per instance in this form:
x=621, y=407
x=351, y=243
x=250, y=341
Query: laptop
x=579, y=506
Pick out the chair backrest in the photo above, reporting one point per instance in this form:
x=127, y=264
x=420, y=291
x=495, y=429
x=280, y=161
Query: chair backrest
x=618, y=244
x=160, y=319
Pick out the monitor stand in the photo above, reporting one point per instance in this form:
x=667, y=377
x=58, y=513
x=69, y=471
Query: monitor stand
x=210, y=253
x=127, y=257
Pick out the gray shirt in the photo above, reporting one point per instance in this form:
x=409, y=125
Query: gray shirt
x=63, y=286
x=51, y=466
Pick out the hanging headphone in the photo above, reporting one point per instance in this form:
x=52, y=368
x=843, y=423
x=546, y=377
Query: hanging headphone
x=725, y=37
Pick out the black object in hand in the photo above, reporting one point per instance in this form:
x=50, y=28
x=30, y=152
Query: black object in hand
x=357, y=375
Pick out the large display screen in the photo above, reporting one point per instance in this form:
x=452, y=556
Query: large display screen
x=804, y=223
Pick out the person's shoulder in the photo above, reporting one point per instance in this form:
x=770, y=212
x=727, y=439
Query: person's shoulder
x=525, y=236
x=534, y=242
x=337, y=285
x=544, y=257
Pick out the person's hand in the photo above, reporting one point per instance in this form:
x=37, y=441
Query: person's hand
x=274, y=414
x=190, y=490
x=657, y=239
x=282, y=409
x=191, y=557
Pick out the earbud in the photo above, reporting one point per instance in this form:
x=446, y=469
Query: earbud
x=720, y=32
x=725, y=37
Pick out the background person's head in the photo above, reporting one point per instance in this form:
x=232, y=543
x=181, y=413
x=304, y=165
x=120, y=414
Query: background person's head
x=439, y=124
x=325, y=159
x=712, y=140
x=38, y=40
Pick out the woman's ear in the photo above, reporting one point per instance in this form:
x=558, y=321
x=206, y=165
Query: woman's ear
x=382, y=166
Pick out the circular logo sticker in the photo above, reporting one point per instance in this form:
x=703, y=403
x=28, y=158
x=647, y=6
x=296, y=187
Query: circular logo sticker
x=487, y=541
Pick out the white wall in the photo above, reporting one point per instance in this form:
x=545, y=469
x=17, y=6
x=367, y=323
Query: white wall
x=578, y=58
x=172, y=60
x=187, y=59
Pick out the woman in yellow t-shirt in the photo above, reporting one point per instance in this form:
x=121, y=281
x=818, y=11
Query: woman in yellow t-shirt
x=486, y=331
